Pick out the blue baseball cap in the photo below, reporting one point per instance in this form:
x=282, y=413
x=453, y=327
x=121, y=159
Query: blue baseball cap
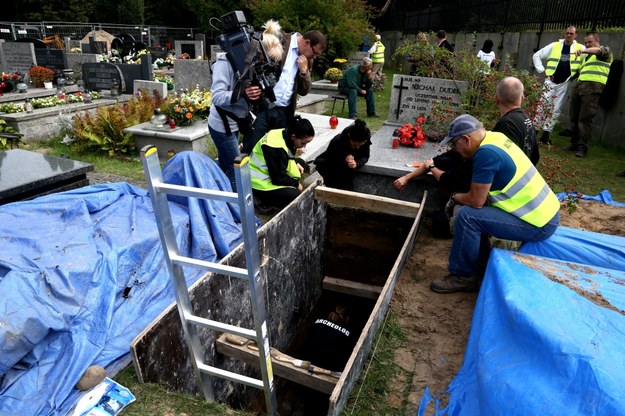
x=462, y=125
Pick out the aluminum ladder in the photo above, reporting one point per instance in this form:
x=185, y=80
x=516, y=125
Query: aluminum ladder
x=190, y=323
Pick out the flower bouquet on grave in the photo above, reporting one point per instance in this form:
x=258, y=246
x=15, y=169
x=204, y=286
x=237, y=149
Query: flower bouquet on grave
x=8, y=81
x=187, y=107
x=40, y=74
x=333, y=74
x=411, y=135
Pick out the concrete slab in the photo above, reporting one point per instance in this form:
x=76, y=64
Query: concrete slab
x=27, y=174
x=323, y=134
x=387, y=161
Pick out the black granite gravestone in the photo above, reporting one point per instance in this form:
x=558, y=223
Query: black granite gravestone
x=54, y=59
x=131, y=72
x=25, y=175
x=99, y=76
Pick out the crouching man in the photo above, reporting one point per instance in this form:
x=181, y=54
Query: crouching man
x=508, y=199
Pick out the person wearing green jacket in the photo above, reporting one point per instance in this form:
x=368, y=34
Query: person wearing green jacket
x=356, y=82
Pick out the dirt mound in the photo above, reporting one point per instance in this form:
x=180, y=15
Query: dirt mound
x=437, y=326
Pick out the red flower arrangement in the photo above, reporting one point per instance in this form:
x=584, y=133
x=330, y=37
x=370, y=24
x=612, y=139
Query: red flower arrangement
x=411, y=135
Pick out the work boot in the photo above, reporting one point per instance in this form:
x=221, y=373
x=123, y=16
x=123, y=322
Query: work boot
x=566, y=133
x=453, y=283
x=544, y=139
x=582, y=152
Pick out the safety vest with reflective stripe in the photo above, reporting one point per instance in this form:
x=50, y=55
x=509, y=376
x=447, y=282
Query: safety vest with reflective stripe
x=595, y=70
x=258, y=166
x=377, y=57
x=556, y=53
x=527, y=196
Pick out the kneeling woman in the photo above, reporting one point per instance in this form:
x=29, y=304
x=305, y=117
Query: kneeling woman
x=346, y=152
x=275, y=171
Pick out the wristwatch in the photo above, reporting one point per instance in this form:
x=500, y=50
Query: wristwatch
x=431, y=166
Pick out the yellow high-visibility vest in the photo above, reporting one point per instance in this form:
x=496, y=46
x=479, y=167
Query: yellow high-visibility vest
x=556, y=53
x=527, y=196
x=259, y=171
x=595, y=70
x=377, y=57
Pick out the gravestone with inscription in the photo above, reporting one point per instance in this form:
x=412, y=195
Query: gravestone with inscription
x=99, y=76
x=355, y=58
x=412, y=97
x=193, y=48
x=17, y=56
x=55, y=59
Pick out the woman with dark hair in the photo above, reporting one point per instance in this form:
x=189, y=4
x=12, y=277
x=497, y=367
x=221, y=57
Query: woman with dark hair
x=347, y=151
x=487, y=54
x=274, y=169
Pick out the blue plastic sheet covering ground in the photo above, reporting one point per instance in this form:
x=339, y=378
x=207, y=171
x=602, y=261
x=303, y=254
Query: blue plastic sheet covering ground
x=547, y=334
x=66, y=261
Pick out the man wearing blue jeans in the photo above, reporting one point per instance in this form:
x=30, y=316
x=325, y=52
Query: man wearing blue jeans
x=508, y=199
x=356, y=82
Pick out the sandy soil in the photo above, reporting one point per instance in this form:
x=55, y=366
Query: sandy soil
x=437, y=326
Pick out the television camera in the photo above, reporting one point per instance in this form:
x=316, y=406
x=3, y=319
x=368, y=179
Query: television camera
x=248, y=57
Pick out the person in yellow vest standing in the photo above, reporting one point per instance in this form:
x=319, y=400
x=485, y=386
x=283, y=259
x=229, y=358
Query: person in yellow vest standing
x=274, y=170
x=562, y=65
x=586, y=90
x=508, y=199
x=376, y=53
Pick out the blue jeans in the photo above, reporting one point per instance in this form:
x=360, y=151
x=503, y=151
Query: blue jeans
x=227, y=150
x=352, y=96
x=472, y=228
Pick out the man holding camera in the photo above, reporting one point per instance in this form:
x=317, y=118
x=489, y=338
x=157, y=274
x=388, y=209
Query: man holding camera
x=294, y=79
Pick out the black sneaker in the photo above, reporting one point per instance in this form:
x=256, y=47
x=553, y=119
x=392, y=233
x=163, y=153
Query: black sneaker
x=373, y=116
x=453, y=283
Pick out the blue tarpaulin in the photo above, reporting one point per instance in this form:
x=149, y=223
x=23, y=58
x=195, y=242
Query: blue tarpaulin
x=66, y=261
x=547, y=333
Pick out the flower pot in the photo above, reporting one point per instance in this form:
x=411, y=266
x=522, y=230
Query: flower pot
x=334, y=81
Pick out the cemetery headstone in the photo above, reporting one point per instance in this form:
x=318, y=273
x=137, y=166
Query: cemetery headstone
x=215, y=49
x=98, y=46
x=193, y=48
x=412, y=97
x=17, y=56
x=355, y=58
x=192, y=73
x=55, y=59
x=150, y=87
x=200, y=37
x=100, y=75
x=131, y=72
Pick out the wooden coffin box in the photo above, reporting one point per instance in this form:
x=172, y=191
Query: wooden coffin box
x=327, y=245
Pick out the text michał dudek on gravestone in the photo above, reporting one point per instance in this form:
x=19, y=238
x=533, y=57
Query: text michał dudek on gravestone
x=412, y=97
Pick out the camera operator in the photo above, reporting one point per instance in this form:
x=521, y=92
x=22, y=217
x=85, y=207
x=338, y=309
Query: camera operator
x=226, y=119
x=294, y=79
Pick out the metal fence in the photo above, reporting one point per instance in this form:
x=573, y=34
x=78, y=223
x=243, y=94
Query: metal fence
x=508, y=16
x=152, y=36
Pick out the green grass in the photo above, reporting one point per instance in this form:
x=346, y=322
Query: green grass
x=152, y=399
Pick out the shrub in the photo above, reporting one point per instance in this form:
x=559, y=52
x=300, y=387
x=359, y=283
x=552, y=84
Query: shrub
x=102, y=131
x=333, y=74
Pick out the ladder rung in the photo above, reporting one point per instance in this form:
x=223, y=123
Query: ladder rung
x=220, y=326
x=190, y=191
x=229, y=375
x=210, y=266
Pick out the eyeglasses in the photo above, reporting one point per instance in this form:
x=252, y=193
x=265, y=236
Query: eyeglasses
x=570, y=33
x=454, y=141
x=318, y=51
